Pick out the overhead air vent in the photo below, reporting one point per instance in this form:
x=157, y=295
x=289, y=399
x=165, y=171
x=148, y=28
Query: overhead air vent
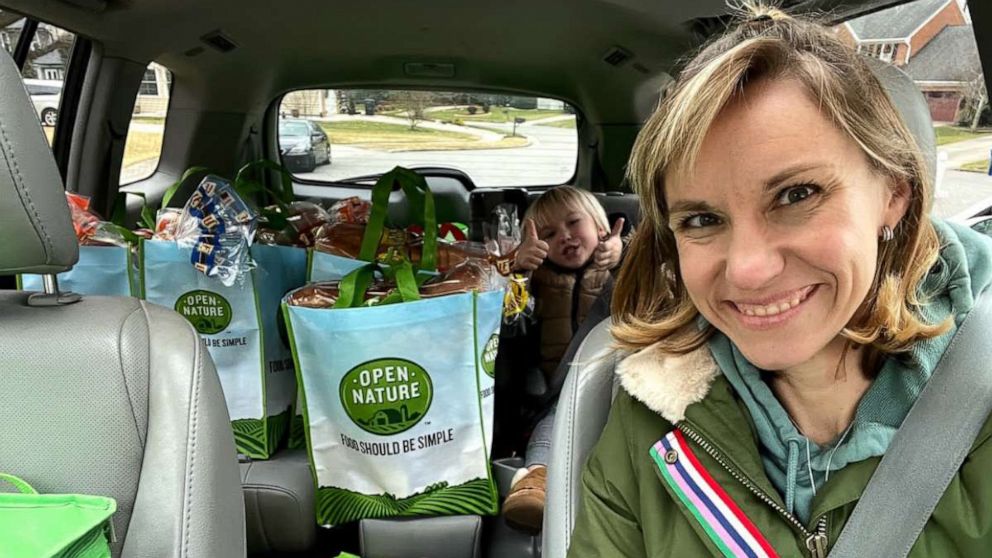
x=91, y=5
x=219, y=41
x=429, y=69
x=616, y=56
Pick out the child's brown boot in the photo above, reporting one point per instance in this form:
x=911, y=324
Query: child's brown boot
x=523, y=508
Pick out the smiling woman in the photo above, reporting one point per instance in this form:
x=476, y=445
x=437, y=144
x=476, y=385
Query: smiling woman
x=786, y=298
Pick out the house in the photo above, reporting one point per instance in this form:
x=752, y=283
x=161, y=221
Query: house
x=931, y=40
x=153, y=93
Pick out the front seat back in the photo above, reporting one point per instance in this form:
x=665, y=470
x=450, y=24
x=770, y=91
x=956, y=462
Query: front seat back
x=585, y=399
x=100, y=395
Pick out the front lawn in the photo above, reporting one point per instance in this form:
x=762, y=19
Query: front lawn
x=496, y=114
x=384, y=136
x=952, y=134
x=976, y=166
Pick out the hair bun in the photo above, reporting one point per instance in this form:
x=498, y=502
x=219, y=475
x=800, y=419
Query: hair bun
x=755, y=12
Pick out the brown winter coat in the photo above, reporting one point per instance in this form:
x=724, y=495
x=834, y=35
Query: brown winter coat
x=563, y=298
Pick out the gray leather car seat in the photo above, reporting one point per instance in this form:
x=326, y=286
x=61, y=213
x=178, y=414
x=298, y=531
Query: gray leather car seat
x=279, y=503
x=102, y=395
x=588, y=391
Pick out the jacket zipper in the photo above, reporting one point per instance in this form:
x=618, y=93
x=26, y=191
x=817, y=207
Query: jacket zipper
x=576, y=294
x=816, y=542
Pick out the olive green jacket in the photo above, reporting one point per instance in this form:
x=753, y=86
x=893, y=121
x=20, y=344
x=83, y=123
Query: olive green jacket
x=628, y=509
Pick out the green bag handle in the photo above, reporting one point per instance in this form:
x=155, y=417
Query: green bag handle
x=248, y=188
x=148, y=213
x=353, y=286
x=20, y=484
x=417, y=191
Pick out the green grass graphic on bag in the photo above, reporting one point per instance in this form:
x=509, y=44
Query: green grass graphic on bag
x=336, y=506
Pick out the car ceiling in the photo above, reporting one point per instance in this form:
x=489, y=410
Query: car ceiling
x=552, y=48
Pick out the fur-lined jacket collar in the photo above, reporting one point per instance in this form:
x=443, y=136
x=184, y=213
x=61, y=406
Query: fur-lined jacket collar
x=665, y=383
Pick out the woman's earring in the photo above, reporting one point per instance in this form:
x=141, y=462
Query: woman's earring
x=886, y=233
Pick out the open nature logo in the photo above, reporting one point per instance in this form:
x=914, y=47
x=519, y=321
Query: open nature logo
x=489, y=356
x=208, y=312
x=386, y=396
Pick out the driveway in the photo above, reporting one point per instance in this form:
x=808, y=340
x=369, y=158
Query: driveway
x=962, y=152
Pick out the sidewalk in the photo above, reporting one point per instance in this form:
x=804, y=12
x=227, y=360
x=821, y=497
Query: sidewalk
x=962, y=152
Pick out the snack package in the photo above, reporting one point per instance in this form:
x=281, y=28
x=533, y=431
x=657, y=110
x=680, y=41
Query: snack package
x=294, y=224
x=468, y=275
x=90, y=229
x=352, y=210
x=325, y=295
x=345, y=240
x=166, y=223
x=220, y=228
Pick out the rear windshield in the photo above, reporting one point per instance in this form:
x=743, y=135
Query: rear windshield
x=497, y=140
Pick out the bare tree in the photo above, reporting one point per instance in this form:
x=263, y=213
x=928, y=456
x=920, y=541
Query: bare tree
x=976, y=98
x=414, y=105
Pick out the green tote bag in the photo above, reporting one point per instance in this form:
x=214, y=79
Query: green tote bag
x=36, y=525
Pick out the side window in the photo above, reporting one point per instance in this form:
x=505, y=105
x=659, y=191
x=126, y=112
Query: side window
x=143, y=147
x=934, y=43
x=10, y=30
x=44, y=67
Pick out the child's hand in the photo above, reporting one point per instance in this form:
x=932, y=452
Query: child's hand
x=532, y=250
x=608, y=252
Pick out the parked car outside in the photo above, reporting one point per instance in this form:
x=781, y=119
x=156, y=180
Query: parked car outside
x=46, y=95
x=303, y=145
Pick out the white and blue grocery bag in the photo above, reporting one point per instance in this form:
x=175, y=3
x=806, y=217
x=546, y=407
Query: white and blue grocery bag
x=489, y=318
x=101, y=270
x=239, y=325
x=328, y=267
x=391, y=397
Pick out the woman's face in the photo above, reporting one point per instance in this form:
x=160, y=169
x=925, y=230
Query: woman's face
x=777, y=225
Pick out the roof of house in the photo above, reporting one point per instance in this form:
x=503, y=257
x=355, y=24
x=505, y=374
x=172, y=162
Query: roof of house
x=53, y=58
x=895, y=23
x=951, y=56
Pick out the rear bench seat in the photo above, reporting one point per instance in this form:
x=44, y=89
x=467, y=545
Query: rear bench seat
x=279, y=503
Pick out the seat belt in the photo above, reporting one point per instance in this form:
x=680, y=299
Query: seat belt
x=928, y=448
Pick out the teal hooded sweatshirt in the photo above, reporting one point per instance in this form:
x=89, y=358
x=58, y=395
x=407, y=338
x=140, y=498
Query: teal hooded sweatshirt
x=797, y=466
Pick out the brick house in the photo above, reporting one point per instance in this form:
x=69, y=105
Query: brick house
x=931, y=41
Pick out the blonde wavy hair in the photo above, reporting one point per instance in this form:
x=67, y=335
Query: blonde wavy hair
x=543, y=210
x=767, y=43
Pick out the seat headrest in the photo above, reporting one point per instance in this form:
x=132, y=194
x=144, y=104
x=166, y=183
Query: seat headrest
x=911, y=104
x=35, y=225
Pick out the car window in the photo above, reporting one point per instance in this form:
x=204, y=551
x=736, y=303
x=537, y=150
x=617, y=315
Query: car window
x=143, y=147
x=934, y=42
x=45, y=66
x=497, y=140
x=10, y=29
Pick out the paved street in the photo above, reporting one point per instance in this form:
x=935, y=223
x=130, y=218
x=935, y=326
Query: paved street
x=963, y=195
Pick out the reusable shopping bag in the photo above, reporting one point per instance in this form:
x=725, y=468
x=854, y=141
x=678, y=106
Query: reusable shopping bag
x=239, y=324
x=36, y=525
x=391, y=394
x=101, y=270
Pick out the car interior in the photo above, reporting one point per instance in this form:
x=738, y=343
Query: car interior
x=117, y=396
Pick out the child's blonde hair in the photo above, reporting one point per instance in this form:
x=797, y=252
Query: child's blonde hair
x=569, y=197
